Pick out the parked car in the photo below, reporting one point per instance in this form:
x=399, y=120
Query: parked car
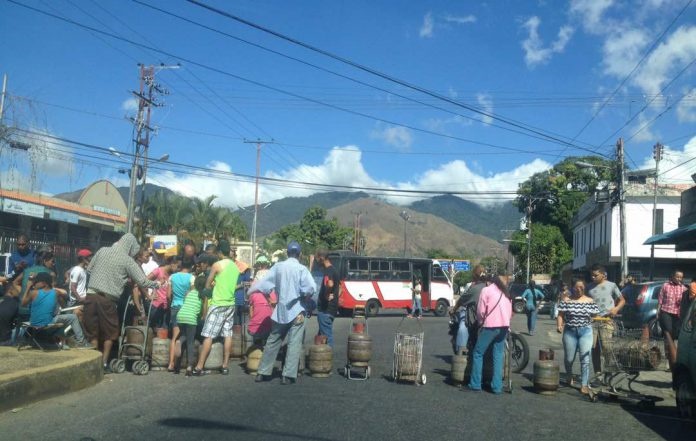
x=641, y=307
x=684, y=371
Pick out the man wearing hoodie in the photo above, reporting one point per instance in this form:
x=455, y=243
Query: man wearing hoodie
x=109, y=271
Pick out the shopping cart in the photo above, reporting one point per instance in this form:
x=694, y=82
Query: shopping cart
x=625, y=353
x=408, y=354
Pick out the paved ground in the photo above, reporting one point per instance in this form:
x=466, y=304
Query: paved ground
x=165, y=406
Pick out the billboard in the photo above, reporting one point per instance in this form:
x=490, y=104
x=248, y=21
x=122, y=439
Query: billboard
x=164, y=244
x=25, y=208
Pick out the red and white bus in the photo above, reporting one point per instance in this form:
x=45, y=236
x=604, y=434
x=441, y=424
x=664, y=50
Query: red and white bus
x=385, y=282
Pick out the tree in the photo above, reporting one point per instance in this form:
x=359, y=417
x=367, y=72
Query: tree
x=314, y=231
x=548, y=253
x=559, y=192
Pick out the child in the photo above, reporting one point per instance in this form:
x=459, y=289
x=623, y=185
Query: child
x=261, y=302
x=193, y=308
x=179, y=284
x=44, y=301
x=416, y=308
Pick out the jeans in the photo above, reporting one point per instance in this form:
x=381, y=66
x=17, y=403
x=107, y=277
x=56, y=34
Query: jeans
x=531, y=321
x=188, y=337
x=74, y=323
x=416, y=306
x=326, y=326
x=574, y=340
x=486, y=337
x=295, y=334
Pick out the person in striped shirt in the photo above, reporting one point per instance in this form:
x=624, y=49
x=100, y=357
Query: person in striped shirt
x=668, y=305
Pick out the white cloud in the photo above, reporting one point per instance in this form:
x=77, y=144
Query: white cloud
x=672, y=170
x=486, y=102
x=464, y=19
x=591, y=13
x=622, y=50
x=643, y=129
x=395, y=136
x=426, y=30
x=686, y=109
x=343, y=166
x=667, y=60
x=535, y=52
x=130, y=105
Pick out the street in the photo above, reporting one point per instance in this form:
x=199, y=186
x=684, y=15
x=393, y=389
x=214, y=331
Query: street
x=172, y=407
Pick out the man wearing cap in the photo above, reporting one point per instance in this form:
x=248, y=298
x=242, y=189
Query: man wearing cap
x=294, y=283
x=78, y=278
x=220, y=317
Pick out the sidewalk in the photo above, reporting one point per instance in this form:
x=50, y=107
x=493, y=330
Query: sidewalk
x=31, y=375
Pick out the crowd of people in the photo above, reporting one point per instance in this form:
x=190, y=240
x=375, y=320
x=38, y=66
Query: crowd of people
x=202, y=296
x=584, y=317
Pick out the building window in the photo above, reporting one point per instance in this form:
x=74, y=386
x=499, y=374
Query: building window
x=659, y=221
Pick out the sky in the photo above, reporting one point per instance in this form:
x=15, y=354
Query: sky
x=419, y=97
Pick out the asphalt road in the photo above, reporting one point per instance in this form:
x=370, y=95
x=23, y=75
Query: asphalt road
x=164, y=406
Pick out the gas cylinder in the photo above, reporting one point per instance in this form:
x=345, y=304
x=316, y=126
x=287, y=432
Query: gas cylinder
x=359, y=349
x=459, y=363
x=160, y=352
x=546, y=377
x=320, y=360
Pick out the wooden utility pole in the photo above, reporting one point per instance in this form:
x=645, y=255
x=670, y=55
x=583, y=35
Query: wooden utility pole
x=622, y=207
x=658, y=149
x=258, y=143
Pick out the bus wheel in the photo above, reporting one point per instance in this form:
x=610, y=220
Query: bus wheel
x=372, y=308
x=441, y=308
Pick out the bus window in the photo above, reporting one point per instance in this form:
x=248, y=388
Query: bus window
x=358, y=269
x=379, y=269
x=401, y=270
x=439, y=274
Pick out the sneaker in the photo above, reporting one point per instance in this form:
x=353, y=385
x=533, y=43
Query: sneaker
x=85, y=345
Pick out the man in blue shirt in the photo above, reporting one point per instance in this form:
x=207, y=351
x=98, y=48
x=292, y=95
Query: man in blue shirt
x=23, y=257
x=294, y=283
x=533, y=296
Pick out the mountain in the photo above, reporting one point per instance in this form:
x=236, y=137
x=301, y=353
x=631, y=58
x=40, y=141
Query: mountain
x=472, y=217
x=272, y=216
x=383, y=228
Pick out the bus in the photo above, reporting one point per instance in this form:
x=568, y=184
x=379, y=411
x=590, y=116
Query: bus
x=377, y=283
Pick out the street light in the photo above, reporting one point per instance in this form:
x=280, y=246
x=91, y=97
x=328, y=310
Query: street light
x=622, y=200
x=405, y=216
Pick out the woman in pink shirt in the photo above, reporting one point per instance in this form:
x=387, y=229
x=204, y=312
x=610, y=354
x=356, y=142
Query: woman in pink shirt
x=261, y=302
x=493, y=317
x=160, y=301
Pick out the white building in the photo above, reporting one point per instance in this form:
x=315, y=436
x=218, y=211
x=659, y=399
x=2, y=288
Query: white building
x=596, y=233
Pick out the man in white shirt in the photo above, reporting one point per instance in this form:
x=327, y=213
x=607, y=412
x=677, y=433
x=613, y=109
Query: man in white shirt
x=78, y=278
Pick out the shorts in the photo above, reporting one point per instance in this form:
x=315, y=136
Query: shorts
x=100, y=317
x=219, y=321
x=174, y=312
x=670, y=323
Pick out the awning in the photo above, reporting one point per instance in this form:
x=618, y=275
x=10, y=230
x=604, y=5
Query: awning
x=682, y=237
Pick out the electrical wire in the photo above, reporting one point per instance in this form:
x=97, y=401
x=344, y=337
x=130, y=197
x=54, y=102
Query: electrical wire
x=485, y=114
x=259, y=84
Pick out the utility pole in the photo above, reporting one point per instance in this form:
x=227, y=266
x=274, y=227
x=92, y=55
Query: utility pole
x=658, y=149
x=2, y=98
x=147, y=99
x=529, y=236
x=405, y=216
x=622, y=207
x=258, y=143
x=356, y=232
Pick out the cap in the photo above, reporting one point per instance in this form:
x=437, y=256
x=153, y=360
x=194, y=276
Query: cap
x=84, y=253
x=294, y=248
x=262, y=259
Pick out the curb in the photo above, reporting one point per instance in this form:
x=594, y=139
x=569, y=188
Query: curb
x=74, y=371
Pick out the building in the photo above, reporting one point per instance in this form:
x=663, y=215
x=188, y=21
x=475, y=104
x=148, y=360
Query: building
x=94, y=217
x=596, y=232
x=684, y=236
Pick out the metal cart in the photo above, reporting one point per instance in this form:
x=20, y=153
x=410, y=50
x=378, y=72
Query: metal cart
x=134, y=352
x=357, y=369
x=625, y=355
x=408, y=354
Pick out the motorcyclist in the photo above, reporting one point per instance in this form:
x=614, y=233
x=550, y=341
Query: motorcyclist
x=463, y=312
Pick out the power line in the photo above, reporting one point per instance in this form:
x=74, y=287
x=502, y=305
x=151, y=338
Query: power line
x=645, y=55
x=259, y=84
x=526, y=127
x=346, y=77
